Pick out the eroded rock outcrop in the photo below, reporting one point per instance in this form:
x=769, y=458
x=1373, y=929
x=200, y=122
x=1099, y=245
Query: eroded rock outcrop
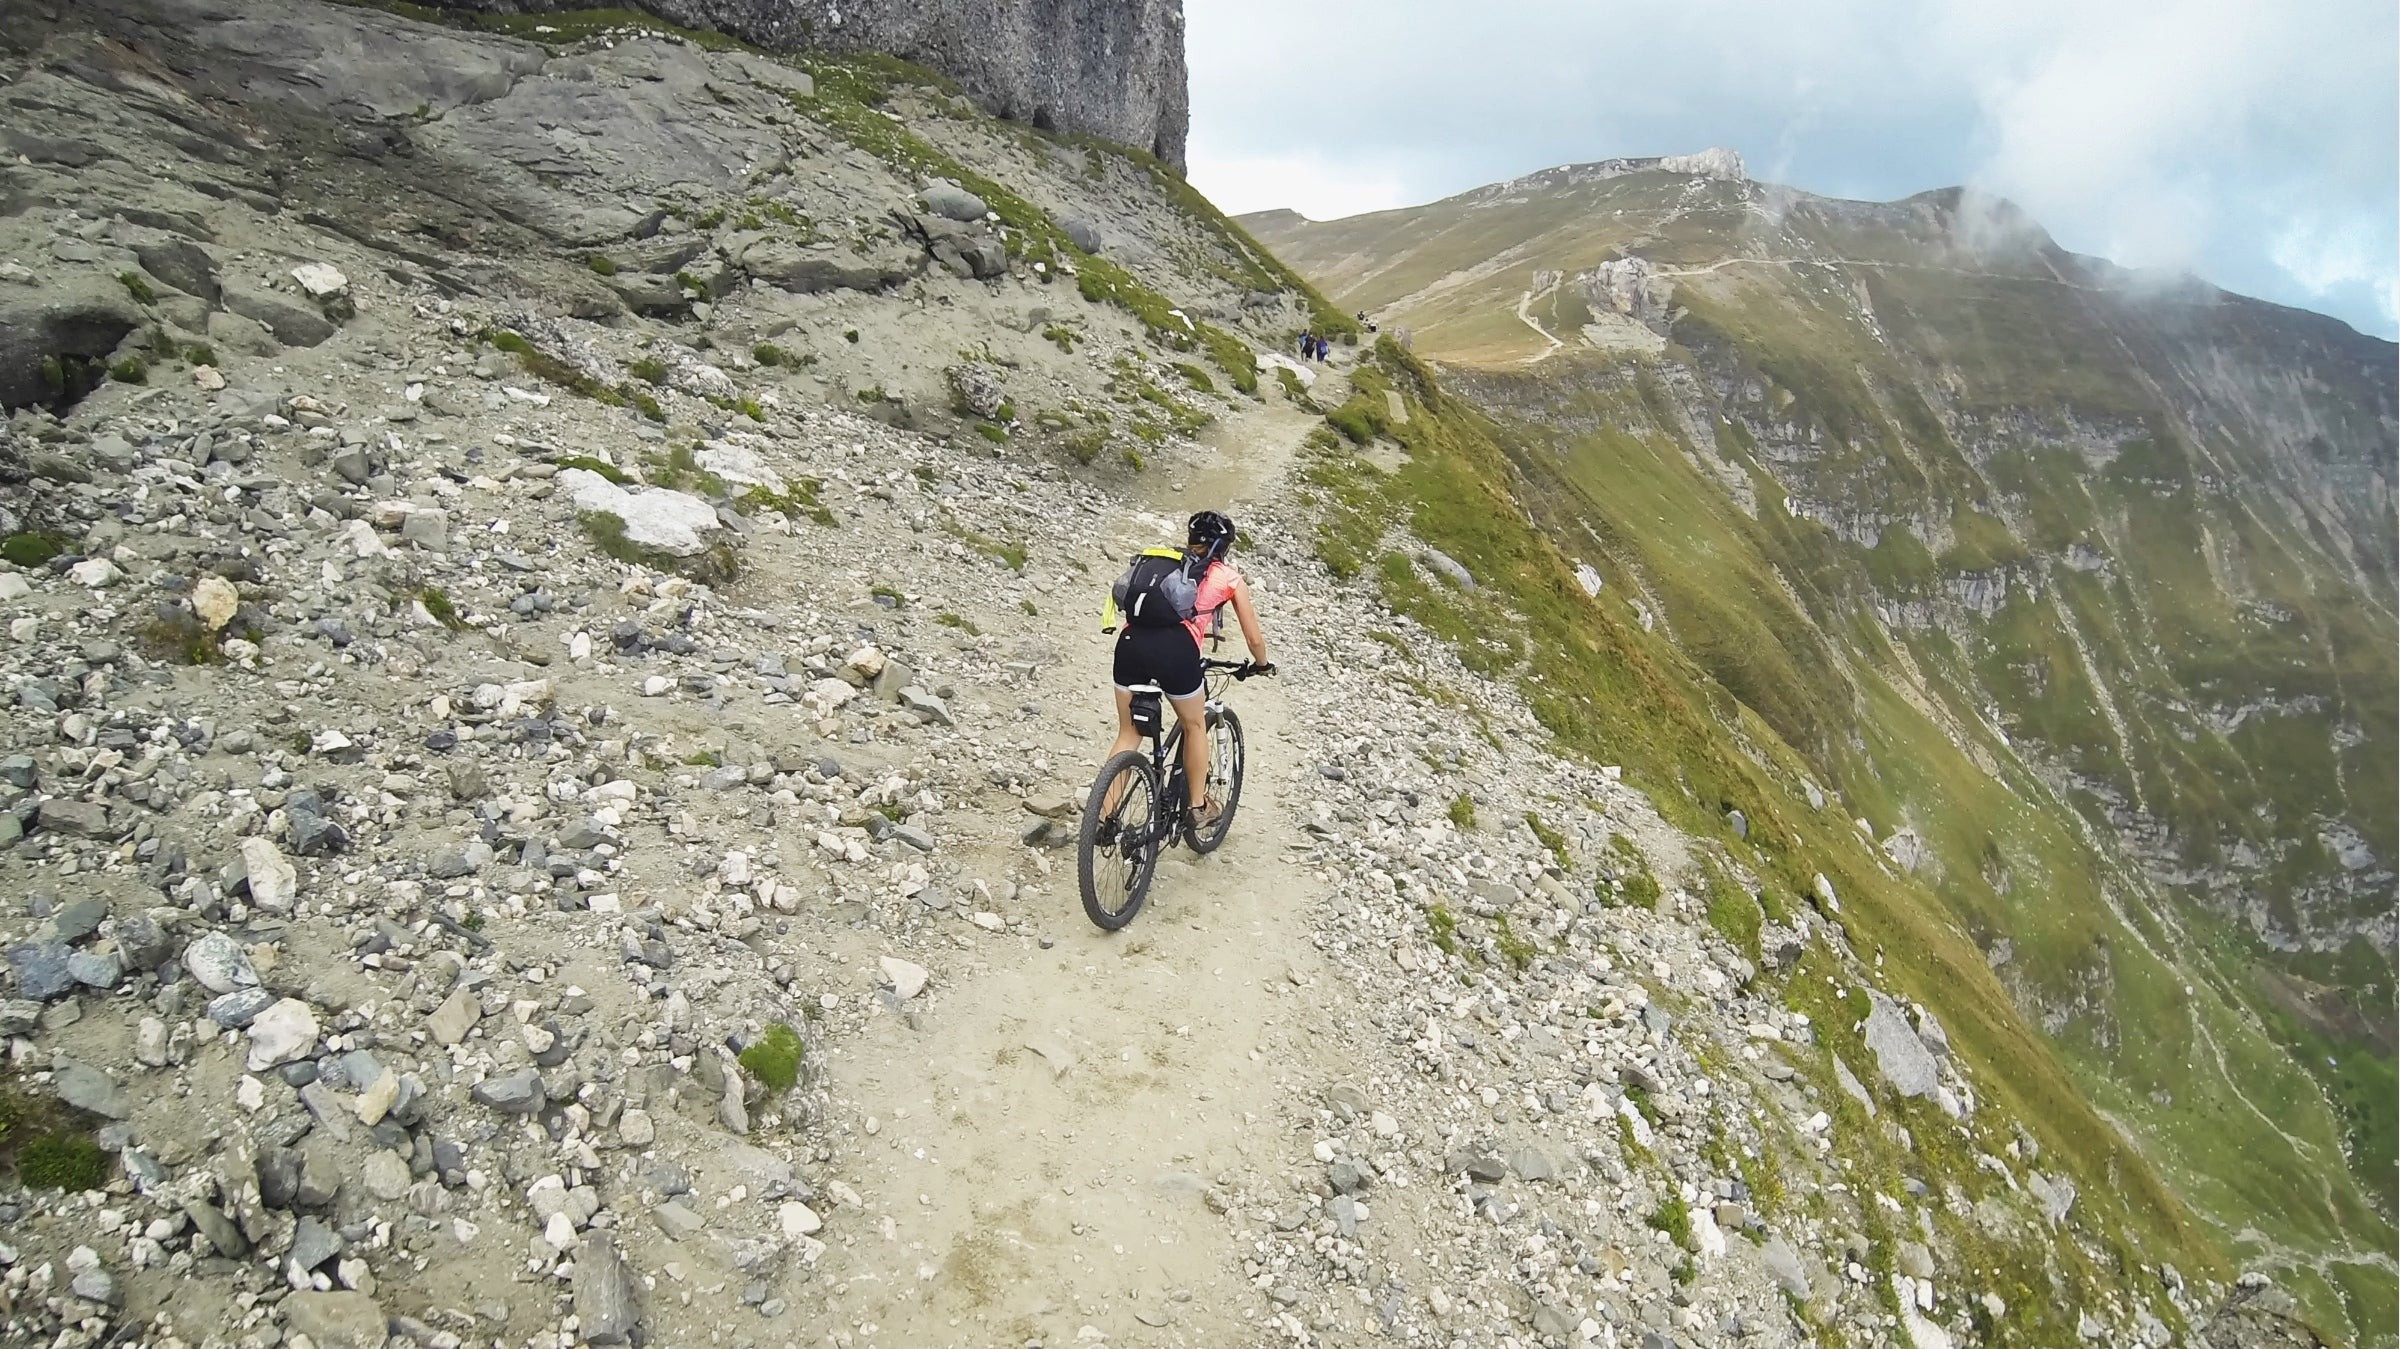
x=1111, y=68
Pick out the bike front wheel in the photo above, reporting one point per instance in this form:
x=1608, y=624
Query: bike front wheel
x=1224, y=780
x=1118, y=849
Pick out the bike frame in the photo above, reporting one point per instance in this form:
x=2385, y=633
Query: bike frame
x=1166, y=744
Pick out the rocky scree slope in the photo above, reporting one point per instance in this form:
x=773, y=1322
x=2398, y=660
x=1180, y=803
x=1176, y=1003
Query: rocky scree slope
x=543, y=696
x=2076, y=587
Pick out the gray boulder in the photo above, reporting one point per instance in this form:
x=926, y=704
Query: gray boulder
x=293, y=323
x=1906, y=1064
x=70, y=323
x=953, y=202
x=184, y=265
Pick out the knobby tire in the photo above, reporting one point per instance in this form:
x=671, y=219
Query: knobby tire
x=1131, y=856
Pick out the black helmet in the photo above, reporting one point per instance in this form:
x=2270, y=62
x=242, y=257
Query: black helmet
x=1210, y=532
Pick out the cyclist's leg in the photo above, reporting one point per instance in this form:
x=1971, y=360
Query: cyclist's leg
x=1127, y=738
x=1192, y=714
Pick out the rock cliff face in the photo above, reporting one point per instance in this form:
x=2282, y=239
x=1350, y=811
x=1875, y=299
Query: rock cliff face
x=1109, y=68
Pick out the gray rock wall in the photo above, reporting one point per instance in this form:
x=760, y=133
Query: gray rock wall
x=1109, y=68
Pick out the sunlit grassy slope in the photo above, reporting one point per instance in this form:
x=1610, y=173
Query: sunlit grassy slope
x=2083, y=579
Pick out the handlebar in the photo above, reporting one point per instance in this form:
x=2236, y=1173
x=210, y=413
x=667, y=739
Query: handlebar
x=1241, y=669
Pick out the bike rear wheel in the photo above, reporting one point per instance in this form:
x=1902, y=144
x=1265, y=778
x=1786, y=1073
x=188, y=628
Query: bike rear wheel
x=1224, y=780
x=1118, y=849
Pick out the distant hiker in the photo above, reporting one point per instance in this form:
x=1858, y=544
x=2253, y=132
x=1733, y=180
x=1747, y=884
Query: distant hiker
x=1308, y=346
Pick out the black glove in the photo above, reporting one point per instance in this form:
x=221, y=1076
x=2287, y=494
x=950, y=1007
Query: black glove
x=1262, y=667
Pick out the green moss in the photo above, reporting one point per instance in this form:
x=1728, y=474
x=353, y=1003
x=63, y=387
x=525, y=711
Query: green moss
x=719, y=565
x=889, y=595
x=200, y=353
x=750, y=407
x=1518, y=951
x=600, y=466
x=33, y=548
x=179, y=638
x=62, y=1162
x=775, y=1058
x=1063, y=337
x=130, y=370
x=1462, y=811
x=998, y=435
x=1196, y=377
x=137, y=287
x=958, y=621
x=1673, y=1217
x=1442, y=925
x=602, y=264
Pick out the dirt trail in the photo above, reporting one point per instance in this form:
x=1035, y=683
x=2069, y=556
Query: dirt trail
x=1047, y=1131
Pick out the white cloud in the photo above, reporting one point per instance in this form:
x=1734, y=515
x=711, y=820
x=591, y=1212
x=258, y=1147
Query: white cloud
x=2328, y=256
x=2161, y=133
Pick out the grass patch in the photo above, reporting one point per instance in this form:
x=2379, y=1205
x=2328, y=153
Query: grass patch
x=129, y=370
x=958, y=621
x=440, y=609
x=1062, y=337
x=799, y=500
x=774, y=1059
x=1555, y=841
x=1733, y=912
x=602, y=264
x=1007, y=553
x=137, y=287
x=1462, y=811
x=1674, y=1217
x=648, y=369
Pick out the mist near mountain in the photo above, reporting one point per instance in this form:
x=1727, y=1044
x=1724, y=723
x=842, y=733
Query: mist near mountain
x=2254, y=145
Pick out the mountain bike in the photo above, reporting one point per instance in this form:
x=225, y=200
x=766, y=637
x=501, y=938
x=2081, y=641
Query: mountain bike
x=1138, y=804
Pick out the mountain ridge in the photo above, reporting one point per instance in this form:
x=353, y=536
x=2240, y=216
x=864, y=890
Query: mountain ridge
x=2078, y=585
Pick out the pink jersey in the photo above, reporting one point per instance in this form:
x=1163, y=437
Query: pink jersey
x=1217, y=588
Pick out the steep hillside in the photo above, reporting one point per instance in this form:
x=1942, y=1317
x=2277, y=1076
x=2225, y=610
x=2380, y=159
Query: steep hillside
x=2076, y=586
x=550, y=581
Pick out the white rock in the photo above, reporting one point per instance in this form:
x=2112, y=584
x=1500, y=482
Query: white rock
x=13, y=586
x=281, y=1034
x=671, y=522
x=207, y=377
x=908, y=977
x=215, y=600
x=739, y=466
x=799, y=1220
x=93, y=573
x=320, y=280
x=634, y=1129
x=867, y=661
x=274, y=884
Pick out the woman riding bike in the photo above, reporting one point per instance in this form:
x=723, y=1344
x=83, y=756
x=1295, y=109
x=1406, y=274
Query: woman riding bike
x=1168, y=654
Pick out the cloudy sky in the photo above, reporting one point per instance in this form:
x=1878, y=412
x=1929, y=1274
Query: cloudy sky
x=2256, y=144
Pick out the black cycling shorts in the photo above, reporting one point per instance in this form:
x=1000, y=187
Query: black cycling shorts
x=1167, y=657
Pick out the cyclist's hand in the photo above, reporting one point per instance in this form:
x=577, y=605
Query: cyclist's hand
x=1262, y=667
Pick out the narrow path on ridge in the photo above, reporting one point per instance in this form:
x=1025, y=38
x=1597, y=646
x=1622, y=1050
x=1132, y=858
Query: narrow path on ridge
x=1047, y=1131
